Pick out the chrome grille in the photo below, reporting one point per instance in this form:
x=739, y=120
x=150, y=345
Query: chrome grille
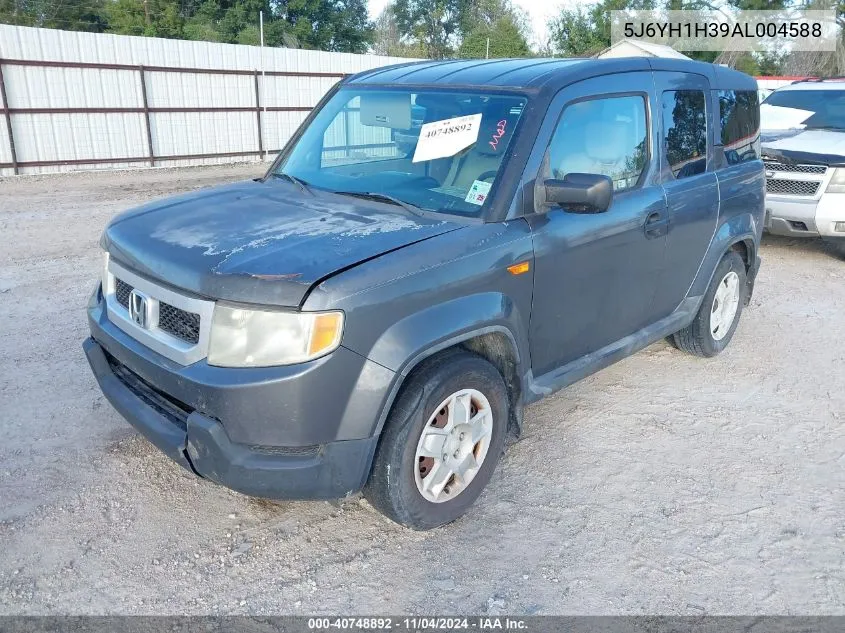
x=121, y=292
x=179, y=323
x=796, y=169
x=792, y=187
x=178, y=326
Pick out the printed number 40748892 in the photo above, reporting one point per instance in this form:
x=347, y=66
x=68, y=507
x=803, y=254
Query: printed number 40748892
x=466, y=127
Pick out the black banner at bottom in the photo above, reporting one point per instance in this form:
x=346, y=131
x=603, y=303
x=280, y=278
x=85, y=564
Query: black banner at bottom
x=421, y=624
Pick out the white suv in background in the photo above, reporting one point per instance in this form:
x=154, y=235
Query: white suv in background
x=803, y=139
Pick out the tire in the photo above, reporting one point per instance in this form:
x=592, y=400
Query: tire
x=399, y=480
x=705, y=336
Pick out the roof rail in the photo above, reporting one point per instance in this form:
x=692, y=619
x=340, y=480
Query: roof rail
x=819, y=79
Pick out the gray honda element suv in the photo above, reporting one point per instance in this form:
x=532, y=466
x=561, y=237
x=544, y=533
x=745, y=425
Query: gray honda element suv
x=439, y=244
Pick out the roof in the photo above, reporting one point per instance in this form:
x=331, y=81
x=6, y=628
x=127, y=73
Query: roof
x=647, y=49
x=537, y=74
x=479, y=72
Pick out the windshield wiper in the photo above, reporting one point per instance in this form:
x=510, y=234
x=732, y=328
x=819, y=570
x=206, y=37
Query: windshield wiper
x=303, y=186
x=384, y=197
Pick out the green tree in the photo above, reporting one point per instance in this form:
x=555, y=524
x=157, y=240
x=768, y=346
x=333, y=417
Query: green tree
x=202, y=25
x=505, y=37
x=771, y=63
x=388, y=40
x=126, y=17
x=506, y=27
x=585, y=31
x=331, y=25
x=476, y=14
x=55, y=14
x=433, y=24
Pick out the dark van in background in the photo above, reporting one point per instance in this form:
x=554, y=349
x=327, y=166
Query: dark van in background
x=440, y=244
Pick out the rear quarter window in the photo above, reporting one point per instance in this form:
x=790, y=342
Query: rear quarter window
x=739, y=118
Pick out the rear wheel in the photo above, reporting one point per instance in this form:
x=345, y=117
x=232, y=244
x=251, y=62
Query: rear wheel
x=718, y=316
x=441, y=442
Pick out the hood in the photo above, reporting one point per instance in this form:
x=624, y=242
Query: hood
x=260, y=242
x=822, y=147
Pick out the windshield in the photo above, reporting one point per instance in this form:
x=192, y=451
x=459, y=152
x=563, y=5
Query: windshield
x=804, y=110
x=435, y=150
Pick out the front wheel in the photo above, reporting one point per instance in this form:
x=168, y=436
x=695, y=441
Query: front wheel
x=441, y=442
x=717, y=318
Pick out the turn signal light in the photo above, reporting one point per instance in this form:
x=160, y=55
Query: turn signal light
x=518, y=269
x=326, y=332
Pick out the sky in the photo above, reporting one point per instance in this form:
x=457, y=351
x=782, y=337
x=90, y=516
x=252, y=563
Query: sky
x=539, y=11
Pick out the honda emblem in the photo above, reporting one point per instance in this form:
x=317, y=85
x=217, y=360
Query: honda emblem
x=139, y=309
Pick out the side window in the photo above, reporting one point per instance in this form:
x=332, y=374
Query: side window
x=605, y=136
x=685, y=132
x=739, y=116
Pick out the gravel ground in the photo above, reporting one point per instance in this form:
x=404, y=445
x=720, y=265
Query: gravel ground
x=665, y=484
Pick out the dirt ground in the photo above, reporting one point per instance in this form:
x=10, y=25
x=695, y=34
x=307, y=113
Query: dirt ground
x=665, y=484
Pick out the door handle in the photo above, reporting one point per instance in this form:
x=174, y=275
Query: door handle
x=656, y=225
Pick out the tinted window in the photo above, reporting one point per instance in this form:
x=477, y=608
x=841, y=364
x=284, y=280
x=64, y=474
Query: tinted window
x=602, y=136
x=740, y=123
x=804, y=109
x=685, y=132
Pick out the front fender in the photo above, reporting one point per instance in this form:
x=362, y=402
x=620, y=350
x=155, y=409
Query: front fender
x=408, y=304
x=424, y=333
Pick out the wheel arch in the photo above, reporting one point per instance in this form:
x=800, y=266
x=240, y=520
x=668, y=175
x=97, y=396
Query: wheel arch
x=495, y=343
x=746, y=249
x=737, y=234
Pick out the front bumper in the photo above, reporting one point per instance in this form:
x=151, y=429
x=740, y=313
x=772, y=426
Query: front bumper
x=333, y=398
x=201, y=445
x=805, y=217
x=305, y=431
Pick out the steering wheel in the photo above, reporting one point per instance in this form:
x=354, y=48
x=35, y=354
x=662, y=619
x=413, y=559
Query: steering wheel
x=488, y=174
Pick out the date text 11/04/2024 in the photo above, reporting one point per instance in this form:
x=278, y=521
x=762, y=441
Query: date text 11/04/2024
x=417, y=624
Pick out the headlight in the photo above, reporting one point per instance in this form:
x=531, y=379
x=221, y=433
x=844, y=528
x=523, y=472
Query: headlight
x=837, y=182
x=261, y=338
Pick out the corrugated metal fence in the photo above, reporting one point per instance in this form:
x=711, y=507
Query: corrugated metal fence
x=91, y=101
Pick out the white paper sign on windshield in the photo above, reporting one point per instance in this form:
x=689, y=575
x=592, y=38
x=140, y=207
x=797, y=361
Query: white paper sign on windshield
x=441, y=139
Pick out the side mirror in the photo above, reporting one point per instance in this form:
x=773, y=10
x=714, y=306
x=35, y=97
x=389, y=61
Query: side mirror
x=580, y=193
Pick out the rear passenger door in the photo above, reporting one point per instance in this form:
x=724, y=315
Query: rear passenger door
x=689, y=181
